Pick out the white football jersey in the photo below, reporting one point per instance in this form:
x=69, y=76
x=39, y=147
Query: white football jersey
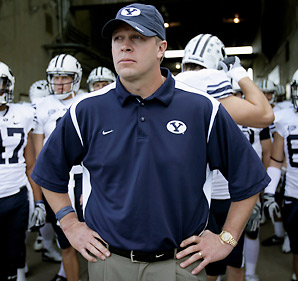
x=253, y=136
x=218, y=85
x=49, y=111
x=287, y=127
x=282, y=105
x=211, y=81
x=278, y=112
x=220, y=186
x=15, y=126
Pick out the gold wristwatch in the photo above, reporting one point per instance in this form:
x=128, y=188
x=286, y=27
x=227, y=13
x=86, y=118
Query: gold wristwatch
x=227, y=237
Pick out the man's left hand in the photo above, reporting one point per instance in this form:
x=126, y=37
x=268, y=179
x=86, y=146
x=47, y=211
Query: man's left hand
x=207, y=247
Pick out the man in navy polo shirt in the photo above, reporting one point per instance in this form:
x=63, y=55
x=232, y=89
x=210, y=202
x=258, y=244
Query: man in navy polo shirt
x=147, y=144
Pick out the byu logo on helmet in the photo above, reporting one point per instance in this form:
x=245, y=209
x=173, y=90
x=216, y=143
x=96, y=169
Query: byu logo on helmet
x=130, y=12
x=176, y=127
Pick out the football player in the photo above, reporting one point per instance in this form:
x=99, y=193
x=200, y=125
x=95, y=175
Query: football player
x=269, y=90
x=285, y=144
x=64, y=75
x=100, y=77
x=44, y=240
x=261, y=142
x=16, y=161
x=38, y=90
x=203, y=56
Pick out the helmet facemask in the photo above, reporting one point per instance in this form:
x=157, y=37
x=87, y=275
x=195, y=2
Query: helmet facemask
x=6, y=93
x=294, y=97
x=64, y=66
x=62, y=90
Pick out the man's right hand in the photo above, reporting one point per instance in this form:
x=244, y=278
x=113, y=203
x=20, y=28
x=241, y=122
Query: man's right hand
x=84, y=239
x=233, y=68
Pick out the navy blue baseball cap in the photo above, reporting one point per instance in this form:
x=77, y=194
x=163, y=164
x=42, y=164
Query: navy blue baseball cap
x=145, y=19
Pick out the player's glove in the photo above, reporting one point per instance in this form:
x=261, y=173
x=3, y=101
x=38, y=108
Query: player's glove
x=271, y=208
x=253, y=225
x=38, y=217
x=233, y=68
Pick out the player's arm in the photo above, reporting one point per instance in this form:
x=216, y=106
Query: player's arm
x=266, y=143
x=38, y=216
x=29, y=154
x=274, y=171
x=254, y=110
x=38, y=143
x=276, y=162
x=277, y=151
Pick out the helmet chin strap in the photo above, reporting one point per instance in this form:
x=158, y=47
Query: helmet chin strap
x=66, y=95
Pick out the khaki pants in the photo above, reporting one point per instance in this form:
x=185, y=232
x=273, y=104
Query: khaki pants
x=117, y=268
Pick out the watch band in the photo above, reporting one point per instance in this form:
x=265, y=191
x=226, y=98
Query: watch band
x=231, y=241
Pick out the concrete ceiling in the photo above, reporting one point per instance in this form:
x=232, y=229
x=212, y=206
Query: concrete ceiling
x=187, y=19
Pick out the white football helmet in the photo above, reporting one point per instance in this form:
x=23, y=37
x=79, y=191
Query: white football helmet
x=267, y=86
x=205, y=50
x=39, y=89
x=294, y=91
x=100, y=74
x=280, y=93
x=6, y=84
x=64, y=65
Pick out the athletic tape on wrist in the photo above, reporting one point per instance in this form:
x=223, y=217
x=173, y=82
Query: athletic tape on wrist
x=274, y=173
x=39, y=202
x=63, y=212
x=237, y=73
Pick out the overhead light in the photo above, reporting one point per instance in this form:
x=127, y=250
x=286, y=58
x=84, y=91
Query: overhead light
x=236, y=19
x=245, y=50
x=178, y=65
x=174, y=54
x=172, y=24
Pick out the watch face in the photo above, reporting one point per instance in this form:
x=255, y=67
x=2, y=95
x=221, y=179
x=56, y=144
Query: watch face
x=226, y=236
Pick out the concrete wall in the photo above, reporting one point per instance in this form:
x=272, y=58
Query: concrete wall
x=286, y=57
x=25, y=26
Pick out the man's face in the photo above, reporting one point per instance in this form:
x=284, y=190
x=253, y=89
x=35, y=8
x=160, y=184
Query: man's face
x=62, y=84
x=100, y=84
x=135, y=55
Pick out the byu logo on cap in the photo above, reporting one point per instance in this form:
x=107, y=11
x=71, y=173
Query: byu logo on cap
x=176, y=127
x=130, y=12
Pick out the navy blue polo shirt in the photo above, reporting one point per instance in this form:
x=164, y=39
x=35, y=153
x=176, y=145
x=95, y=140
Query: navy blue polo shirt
x=147, y=163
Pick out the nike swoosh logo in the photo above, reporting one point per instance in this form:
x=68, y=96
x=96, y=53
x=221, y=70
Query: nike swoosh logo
x=159, y=256
x=107, y=132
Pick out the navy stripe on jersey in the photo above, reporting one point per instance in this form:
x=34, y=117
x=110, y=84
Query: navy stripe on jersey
x=221, y=90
